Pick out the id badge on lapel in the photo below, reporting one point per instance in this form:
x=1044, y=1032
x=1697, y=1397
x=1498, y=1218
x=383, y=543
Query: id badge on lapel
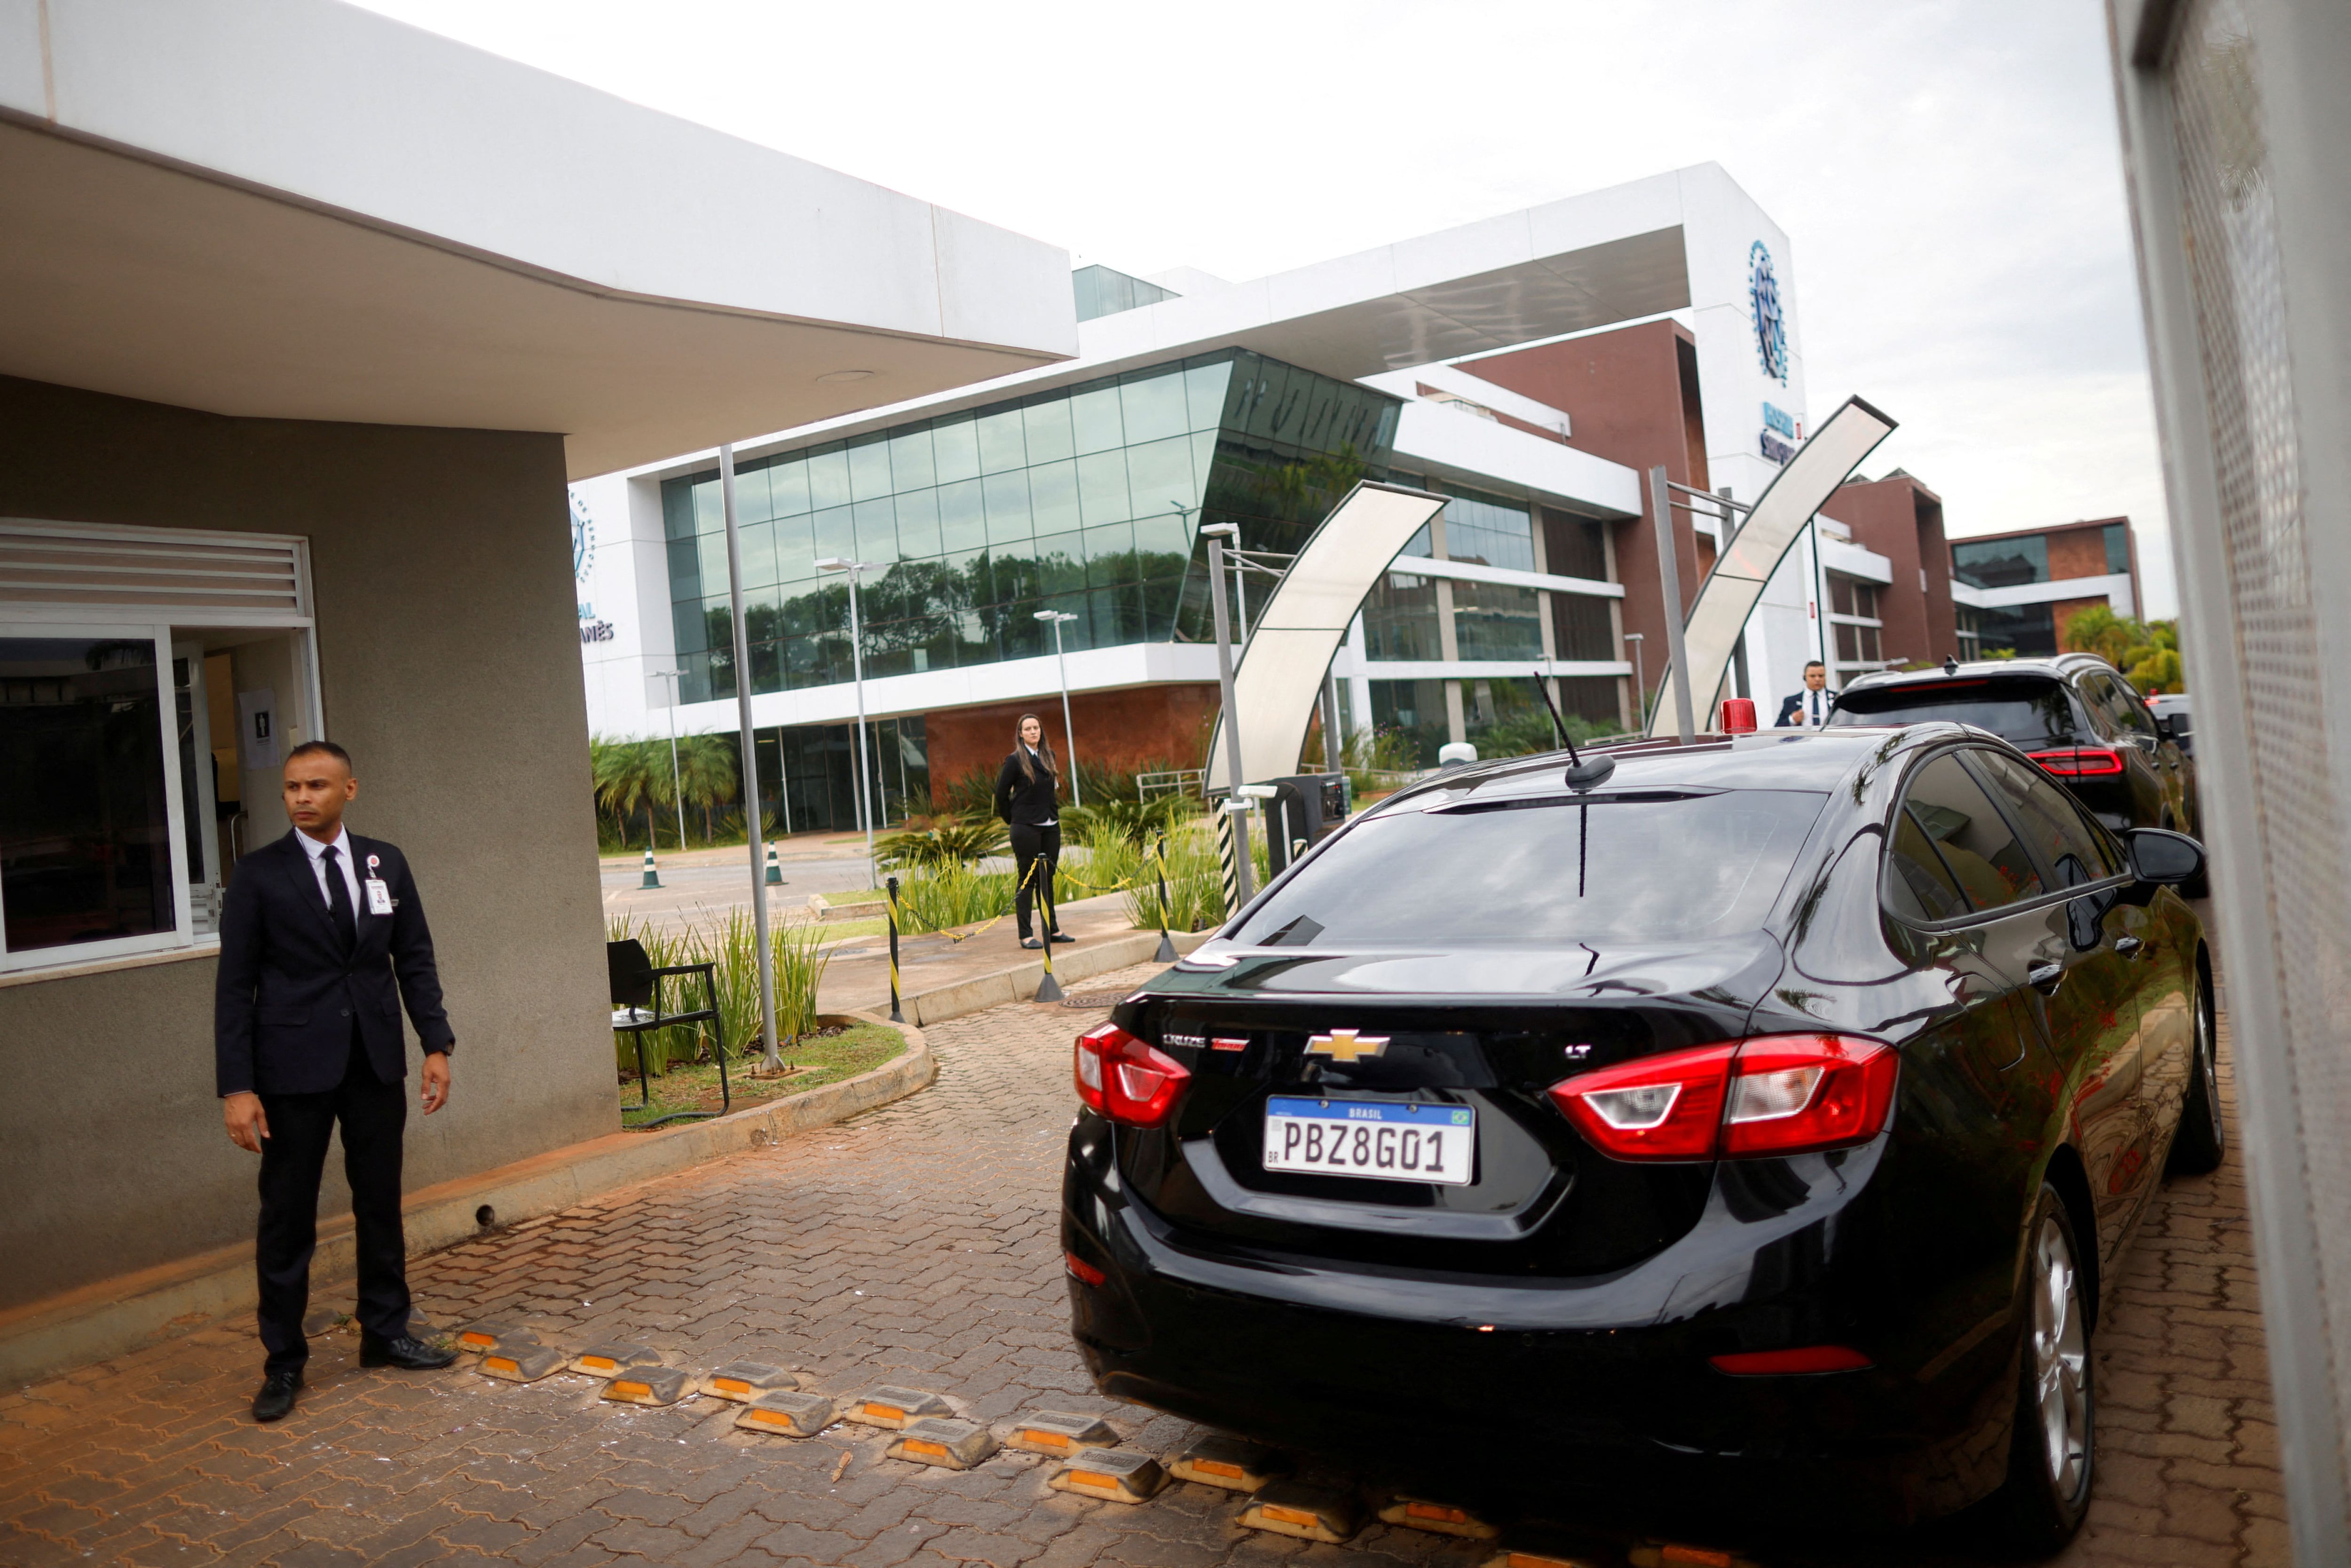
x=379, y=893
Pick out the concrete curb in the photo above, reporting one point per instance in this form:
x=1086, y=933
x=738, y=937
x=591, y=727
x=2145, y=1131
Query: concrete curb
x=113, y=1317
x=1019, y=983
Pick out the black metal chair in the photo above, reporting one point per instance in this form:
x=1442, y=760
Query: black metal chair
x=637, y=1008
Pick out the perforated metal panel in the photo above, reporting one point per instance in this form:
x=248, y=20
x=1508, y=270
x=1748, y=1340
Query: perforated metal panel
x=2236, y=281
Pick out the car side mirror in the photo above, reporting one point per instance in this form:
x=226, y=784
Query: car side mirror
x=2160, y=855
x=2172, y=726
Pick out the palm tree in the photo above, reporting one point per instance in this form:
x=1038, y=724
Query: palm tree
x=633, y=776
x=707, y=775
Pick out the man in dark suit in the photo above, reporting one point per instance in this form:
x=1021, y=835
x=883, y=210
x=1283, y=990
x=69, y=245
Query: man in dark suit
x=1809, y=709
x=316, y=929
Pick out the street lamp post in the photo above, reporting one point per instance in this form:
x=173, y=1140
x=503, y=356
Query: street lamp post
x=857, y=672
x=676, y=780
x=753, y=830
x=1640, y=682
x=1068, y=734
x=1217, y=534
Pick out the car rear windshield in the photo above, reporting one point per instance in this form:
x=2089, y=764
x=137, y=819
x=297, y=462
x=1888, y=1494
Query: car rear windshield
x=1659, y=866
x=2026, y=712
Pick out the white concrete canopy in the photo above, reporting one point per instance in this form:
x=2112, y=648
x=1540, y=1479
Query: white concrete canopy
x=299, y=209
x=1730, y=591
x=1296, y=635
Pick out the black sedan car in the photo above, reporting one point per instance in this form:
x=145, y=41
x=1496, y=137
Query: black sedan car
x=1770, y=1110
x=2076, y=714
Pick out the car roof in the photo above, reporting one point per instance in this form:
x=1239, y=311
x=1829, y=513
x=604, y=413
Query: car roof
x=1769, y=759
x=2060, y=667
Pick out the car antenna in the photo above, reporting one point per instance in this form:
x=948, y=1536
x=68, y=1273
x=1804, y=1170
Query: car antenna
x=1950, y=664
x=1581, y=775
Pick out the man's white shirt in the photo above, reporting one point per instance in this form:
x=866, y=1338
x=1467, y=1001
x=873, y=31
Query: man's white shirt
x=1815, y=710
x=318, y=853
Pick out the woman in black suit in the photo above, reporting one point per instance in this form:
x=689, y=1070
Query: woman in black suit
x=1025, y=790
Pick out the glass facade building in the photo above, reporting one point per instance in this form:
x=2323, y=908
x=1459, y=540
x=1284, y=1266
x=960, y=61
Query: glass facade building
x=1086, y=499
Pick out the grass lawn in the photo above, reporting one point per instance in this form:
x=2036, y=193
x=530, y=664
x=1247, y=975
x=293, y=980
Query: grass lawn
x=828, y=1057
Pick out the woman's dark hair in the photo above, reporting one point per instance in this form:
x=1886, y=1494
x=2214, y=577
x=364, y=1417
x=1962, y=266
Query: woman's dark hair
x=1020, y=748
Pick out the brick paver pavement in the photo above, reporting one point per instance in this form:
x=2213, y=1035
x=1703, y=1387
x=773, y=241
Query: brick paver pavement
x=916, y=1245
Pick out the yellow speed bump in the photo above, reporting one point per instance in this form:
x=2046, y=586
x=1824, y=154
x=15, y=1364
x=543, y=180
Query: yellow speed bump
x=892, y=1408
x=1119, y=1475
x=744, y=1381
x=1656, y=1554
x=1310, y=1513
x=1444, y=1518
x=1059, y=1432
x=605, y=1359
x=494, y=1334
x=1230, y=1463
x=1546, y=1560
x=786, y=1414
x=521, y=1363
x=649, y=1385
x=944, y=1441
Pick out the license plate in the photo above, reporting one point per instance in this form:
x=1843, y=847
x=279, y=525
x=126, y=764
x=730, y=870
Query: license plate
x=1384, y=1140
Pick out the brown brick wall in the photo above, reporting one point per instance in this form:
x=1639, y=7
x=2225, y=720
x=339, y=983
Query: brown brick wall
x=1139, y=726
x=1902, y=520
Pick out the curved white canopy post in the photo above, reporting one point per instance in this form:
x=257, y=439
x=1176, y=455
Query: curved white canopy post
x=1731, y=591
x=1296, y=635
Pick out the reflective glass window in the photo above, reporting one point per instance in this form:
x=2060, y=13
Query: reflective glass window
x=962, y=519
x=1574, y=546
x=758, y=541
x=1204, y=394
x=709, y=517
x=754, y=500
x=715, y=578
x=1053, y=496
x=1408, y=722
x=911, y=465
x=1492, y=621
x=2075, y=849
x=84, y=831
x=1489, y=530
x=788, y=484
x=1047, y=426
x=1102, y=487
x=1094, y=419
x=1001, y=444
x=677, y=509
x=869, y=469
x=1110, y=555
x=1918, y=884
x=1159, y=474
x=2117, y=538
x=795, y=549
x=828, y=478
x=1582, y=627
x=877, y=530
x=1162, y=545
x=836, y=535
x=1007, y=507
x=686, y=567
x=1974, y=840
x=2001, y=563
x=918, y=523
x=1153, y=406
x=954, y=447
x=1400, y=619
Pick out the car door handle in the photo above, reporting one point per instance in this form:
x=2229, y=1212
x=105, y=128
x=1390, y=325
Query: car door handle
x=2126, y=946
x=2046, y=978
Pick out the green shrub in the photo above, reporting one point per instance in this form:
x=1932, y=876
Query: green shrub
x=1196, y=885
x=732, y=946
x=925, y=843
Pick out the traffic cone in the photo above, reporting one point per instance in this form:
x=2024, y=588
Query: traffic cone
x=653, y=877
x=775, y=871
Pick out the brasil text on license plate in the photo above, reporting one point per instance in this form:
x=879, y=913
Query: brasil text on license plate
x=1381, y=1139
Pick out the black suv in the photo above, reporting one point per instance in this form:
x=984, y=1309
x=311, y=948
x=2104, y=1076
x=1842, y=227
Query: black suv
x=2074, y=714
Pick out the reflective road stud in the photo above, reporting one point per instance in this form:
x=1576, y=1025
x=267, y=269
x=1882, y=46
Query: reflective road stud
x=1674, y=1554
x=744, y=1381
x=894, y=1408
x=605, y=1359
x=649, y=1385
x=495, y=1334
x=521, y=1363
x=1118, y=1475
x=1059, y=1432
x=1444, y=1518
x=787, y=1414
x=941, y=1440
x=1310, y=1513
x=1230, y=1463
x=1546, y=1560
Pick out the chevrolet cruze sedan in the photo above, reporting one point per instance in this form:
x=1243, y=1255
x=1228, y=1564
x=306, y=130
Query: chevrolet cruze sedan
x=1762, y=1119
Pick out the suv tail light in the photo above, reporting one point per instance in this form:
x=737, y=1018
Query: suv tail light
x=1774, y=1095
x=1121, y=1077
x=2079, y=761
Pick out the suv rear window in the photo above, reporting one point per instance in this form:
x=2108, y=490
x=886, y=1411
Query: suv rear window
x=1658, y=866
x=2028, y=711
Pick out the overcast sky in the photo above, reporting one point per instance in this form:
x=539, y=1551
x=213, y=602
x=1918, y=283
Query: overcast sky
x=1948, y=173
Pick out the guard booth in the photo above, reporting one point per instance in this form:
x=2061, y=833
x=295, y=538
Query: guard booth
x=1304, y=808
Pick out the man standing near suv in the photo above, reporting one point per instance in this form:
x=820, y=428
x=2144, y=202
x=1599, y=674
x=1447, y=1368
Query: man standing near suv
x=1809, y=709
x=322, y=938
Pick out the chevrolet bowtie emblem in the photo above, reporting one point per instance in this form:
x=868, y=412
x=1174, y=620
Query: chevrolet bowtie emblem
x=1345, y=1045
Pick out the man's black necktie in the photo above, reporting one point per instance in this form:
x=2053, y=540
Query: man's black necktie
x=338, y=900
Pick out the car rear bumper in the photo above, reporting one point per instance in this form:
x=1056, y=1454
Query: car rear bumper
x=1604, y=1382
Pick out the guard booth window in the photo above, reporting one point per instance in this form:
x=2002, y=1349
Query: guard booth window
x=149, y=681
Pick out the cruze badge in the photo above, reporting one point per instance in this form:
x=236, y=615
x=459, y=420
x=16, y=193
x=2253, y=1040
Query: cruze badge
x=1345, y=1045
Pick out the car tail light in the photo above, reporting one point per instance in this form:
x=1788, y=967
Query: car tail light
x=1121, y=1077
x=1787, y=1363
x=2079, y=762
x=1774, y=1095
x=1081, y=1269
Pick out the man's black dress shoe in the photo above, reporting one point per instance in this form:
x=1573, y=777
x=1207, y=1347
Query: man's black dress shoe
x=277, y=1396
x=413, y=1354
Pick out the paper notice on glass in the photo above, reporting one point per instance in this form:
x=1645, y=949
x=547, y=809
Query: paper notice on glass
x=258, y=717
